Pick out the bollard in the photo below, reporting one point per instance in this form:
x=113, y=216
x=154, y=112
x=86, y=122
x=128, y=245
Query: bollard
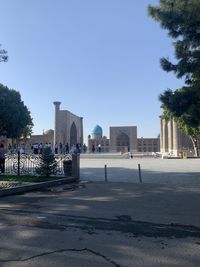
x=140, y=176
x=76, y=166
x=106, y=178
x=18, y=163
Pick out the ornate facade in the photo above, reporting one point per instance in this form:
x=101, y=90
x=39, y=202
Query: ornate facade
x=68, y=130
x=122, y=139
x=173, y=141
x=68, y=127
x=98, y=142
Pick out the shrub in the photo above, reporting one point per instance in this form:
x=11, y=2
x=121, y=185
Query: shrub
x=48, y=164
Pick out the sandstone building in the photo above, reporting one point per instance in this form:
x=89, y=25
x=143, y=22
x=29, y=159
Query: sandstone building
x=68, y=127
x=173, y=141
x=122, y=139
x=96, y=138
x=148, y=144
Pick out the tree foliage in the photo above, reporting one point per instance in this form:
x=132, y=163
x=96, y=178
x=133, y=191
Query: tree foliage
x=48, y=164
x=15, y=118
x=3, y=55
x=183, y=103
x=181, y=19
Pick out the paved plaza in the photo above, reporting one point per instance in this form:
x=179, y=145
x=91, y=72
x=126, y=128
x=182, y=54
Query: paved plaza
x=121, y=223
x=153, y=170
x=101, y=224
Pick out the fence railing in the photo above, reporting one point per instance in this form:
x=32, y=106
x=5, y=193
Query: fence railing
x=27, y=163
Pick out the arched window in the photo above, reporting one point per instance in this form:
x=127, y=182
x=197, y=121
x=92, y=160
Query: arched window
x=73, y=135
x=122, y=142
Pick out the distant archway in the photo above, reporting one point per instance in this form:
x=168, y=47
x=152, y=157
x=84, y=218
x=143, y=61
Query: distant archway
x=73, y=135
x=122, y=142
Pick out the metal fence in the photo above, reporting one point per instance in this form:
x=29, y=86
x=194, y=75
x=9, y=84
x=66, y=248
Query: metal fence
x=26, y=164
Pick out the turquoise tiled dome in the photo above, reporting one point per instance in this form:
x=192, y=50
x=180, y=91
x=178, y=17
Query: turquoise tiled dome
x=97, y=130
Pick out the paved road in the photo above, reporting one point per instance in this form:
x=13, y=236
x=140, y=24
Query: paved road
x=102, y=224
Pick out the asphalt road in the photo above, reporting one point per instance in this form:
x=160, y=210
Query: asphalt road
x=102, y=224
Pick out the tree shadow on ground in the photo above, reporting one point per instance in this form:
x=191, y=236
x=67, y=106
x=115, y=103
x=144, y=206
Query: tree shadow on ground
x=55, y=223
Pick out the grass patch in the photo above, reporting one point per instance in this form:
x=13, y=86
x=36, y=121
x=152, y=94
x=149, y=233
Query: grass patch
x=28, y=178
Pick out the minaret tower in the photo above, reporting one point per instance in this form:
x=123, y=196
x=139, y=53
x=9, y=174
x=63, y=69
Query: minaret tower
x=56, y=125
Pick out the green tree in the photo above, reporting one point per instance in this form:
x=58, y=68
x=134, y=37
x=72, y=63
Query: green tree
x=48, y=164
x=3, y=55
x=15, y=118
x=181, y=19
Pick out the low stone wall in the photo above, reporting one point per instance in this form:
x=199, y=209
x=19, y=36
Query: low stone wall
x=34, y=186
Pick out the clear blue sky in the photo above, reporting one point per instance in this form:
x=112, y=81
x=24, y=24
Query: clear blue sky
x=100, y=58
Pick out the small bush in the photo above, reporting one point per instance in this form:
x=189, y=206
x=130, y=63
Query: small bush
x=48, y=164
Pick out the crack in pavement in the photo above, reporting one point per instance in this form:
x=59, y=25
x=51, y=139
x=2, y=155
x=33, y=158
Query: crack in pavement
x=63, y=251
x=122, y=223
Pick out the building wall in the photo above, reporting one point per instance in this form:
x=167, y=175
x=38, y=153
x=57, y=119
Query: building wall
x=130, y=131
x=104, y=142
x=148, y=145
x=64, y=120
x=46, y=137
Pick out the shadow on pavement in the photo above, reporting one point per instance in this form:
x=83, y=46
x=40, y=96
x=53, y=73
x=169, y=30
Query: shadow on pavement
x=119, y=174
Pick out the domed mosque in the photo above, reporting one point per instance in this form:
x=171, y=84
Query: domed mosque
x=97, y=132
x=122, y=139
x=98, y=142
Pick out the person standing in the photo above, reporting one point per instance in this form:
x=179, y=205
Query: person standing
x=2, y=158
x=99, y=148
x=56, y=148
x=61, y=148
x=67, y=148
x=84, y=148
x=93, y=148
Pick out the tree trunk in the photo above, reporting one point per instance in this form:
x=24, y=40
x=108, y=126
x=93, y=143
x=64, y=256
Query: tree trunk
x=195, y=146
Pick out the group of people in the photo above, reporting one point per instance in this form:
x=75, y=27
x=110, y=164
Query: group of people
x=78, y=148
x=61, y=149
x=37, y=148
x=98, y=148
x=58, y=148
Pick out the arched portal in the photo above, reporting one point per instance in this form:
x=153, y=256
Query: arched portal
x=122, y=142
x=73, y=135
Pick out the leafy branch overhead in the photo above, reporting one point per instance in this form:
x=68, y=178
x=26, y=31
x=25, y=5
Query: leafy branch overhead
x=3, y=55
x=181, y=19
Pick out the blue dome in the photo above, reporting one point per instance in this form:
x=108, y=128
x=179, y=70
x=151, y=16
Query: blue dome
x=97, y=130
